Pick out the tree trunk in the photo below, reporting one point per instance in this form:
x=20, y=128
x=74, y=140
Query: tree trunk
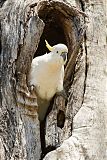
x=74, y=128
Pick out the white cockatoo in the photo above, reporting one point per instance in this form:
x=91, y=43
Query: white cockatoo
x=47, y=75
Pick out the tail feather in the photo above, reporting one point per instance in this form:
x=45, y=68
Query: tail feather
x=42, y=108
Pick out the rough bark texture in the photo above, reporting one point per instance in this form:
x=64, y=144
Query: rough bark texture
x=75, y=129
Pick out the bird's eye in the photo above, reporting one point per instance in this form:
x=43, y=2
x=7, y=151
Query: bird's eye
x=56, y=51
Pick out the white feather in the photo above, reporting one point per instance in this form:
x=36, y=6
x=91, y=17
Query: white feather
x=47, y=73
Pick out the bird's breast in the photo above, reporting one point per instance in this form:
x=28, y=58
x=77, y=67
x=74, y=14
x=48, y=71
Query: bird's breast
x=46, y=76
x=47, y=81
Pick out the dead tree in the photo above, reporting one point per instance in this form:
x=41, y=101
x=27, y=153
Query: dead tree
x=74, y=128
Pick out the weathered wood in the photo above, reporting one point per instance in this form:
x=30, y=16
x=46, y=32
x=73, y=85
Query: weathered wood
x=74, y=128
x=87, y=93
x=20, y=34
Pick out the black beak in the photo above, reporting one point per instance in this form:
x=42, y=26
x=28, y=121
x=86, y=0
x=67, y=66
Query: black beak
x=64, y=56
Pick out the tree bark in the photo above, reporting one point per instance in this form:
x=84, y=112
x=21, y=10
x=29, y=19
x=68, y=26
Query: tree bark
x=74, y=128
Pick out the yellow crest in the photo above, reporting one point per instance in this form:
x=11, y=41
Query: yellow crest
x=48, y=46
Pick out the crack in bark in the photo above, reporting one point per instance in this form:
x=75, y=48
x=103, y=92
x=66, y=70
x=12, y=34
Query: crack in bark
x=0, y=66
x=86, y=68
x=86, y=62
x=82, y=5
x=2, y=2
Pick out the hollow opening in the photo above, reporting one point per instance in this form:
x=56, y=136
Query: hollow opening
x=60, y=119
x=53, y=31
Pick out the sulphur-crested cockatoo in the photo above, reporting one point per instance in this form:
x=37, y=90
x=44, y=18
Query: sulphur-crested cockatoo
x=47, y=75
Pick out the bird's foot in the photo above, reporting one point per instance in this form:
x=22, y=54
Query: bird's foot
x=62, y=93
x=32, y=89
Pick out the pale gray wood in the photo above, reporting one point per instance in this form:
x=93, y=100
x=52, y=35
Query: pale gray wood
x=88, y=93
x=21, y=29
x=80, y=130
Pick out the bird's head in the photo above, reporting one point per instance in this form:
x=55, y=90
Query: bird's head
x=60, y=49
